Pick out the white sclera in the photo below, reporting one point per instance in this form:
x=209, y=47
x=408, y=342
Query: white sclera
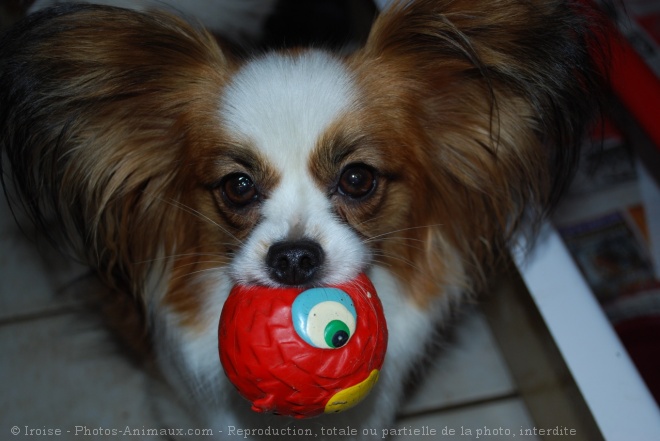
x=322, y=314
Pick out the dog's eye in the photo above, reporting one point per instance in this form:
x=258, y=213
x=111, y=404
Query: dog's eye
x=357, y=181
x=239, y=190
x=324, y=317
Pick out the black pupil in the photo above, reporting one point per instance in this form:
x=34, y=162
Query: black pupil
x=242, y=185
x=356, y=182
x=339, y=339
x=240, y=189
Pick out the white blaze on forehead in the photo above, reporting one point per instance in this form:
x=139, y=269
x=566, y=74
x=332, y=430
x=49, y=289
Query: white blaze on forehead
x=283, y=103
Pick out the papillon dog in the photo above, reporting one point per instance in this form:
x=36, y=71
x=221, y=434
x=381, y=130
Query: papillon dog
x=176, y=170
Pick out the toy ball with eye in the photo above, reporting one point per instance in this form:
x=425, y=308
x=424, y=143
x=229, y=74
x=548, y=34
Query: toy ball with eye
x=301, y=352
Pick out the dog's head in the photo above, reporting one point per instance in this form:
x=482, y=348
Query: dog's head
x=421, y=152
x=295, y=188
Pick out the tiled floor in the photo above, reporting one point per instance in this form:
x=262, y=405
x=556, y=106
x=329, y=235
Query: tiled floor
x=58, y=369
x=467, y=389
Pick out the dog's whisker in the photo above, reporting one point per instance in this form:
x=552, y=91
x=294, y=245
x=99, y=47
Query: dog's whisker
x=412, y=246
x=371, y=219
x=178, y=256
x=405, y=241
x=201, y=262
x=188, y=274
x=398, y=258
x=400, y=230
x=199, y=215
x=381, y=262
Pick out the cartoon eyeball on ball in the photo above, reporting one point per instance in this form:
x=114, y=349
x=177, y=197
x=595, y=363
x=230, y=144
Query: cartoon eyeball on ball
x=302, y=352
x=324, y=317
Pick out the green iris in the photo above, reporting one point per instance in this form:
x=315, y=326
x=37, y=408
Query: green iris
x=336, y=334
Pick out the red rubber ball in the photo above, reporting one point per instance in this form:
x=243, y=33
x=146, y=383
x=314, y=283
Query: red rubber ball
x=301, y=352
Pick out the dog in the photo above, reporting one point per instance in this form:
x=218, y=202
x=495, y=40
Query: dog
x=176, y=170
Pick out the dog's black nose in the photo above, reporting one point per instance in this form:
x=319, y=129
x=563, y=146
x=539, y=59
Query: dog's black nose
x=294, y=262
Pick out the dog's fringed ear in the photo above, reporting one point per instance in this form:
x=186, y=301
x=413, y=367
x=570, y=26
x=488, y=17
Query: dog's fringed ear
x=95, y=106
x=492, y=100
